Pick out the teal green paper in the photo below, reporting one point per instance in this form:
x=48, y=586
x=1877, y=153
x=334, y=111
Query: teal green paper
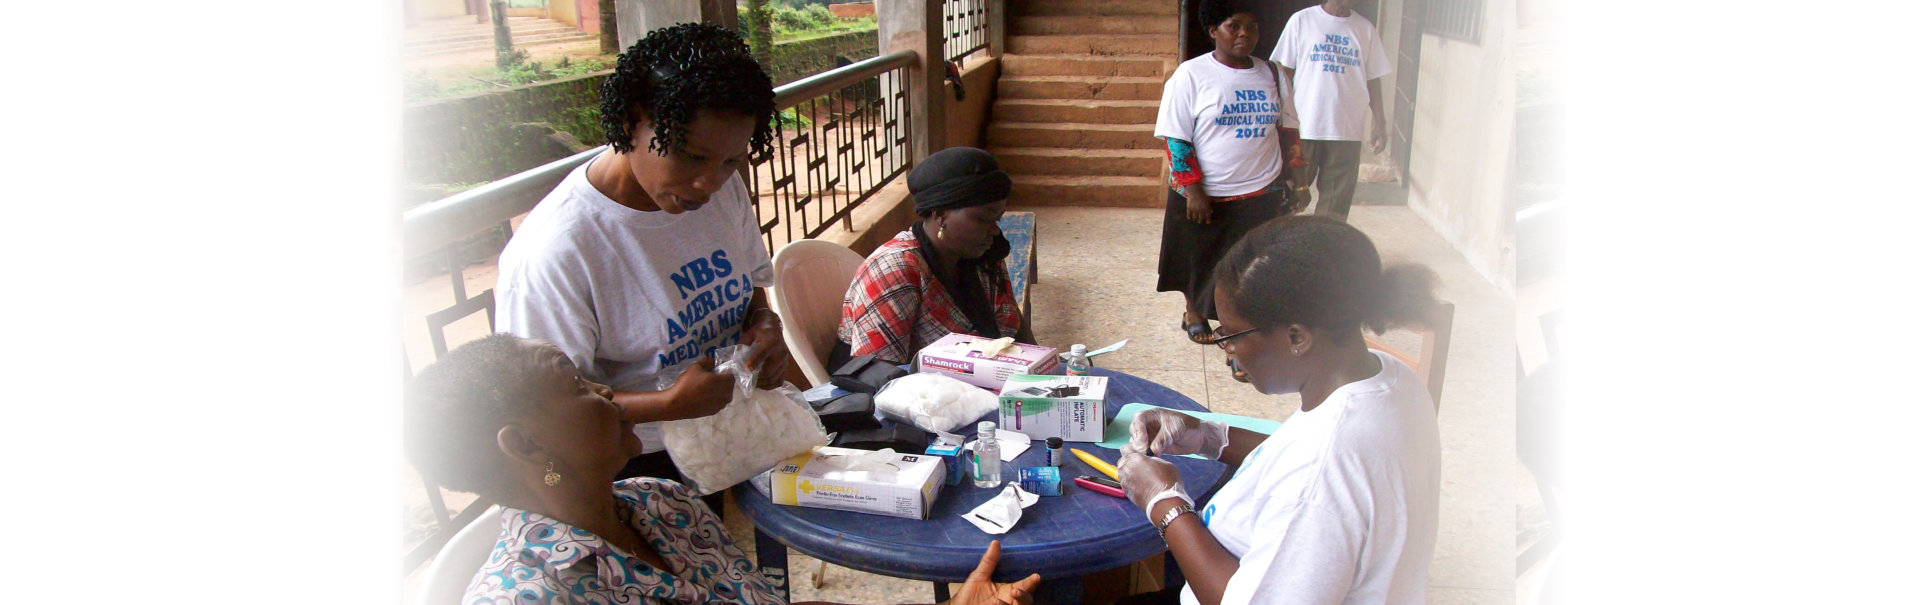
x=1117, y=434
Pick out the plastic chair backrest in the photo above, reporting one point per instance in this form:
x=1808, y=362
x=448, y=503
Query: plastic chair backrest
x=1435, y=338
x=810, y=280
x=452, y=570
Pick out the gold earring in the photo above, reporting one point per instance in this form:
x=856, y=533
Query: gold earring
x=1296, y=350
x=942, y=233
x=552, y=478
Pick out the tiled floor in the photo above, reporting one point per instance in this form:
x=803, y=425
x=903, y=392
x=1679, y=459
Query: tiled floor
x=1097, y=273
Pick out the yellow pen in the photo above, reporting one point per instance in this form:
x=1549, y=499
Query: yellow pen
x=1096, y=463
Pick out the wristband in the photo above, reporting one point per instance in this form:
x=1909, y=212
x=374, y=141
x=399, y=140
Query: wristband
x=1172, y=513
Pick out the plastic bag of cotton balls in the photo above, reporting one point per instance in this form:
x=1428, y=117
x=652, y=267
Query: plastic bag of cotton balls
x=934, y=402
x=755, y=432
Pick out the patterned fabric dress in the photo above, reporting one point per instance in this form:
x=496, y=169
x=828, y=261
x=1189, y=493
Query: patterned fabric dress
x=540, y=559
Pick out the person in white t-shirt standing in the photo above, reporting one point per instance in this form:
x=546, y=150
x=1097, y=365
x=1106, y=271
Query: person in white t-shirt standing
x=1334, y=59
x=1340, y=505
x=1226, y=124
x=648, y=257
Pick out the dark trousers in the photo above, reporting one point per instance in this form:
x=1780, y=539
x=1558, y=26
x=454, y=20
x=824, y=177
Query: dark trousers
x=1336, y=168
x=659, y=464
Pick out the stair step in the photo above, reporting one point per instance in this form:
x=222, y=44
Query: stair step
x=1080, y=87
x=1076, y=110
x=1108, y=191
x=1145, y=163
x=1094, y=24
x=1168, y=8
x=1118, y=44
x=1070, y=135
x=1082, y=65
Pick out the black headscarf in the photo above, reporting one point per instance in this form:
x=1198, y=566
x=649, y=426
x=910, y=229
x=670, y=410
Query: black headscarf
x=950, y=179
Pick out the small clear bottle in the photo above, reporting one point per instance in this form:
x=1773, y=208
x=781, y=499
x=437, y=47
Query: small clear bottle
x=1077, y=361
x=986, y=457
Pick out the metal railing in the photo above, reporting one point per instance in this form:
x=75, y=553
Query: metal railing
x=842, y=136
x=963, y=27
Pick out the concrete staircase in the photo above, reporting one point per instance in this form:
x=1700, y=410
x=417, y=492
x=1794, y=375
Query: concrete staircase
x=1078, y=93
x=463, y=35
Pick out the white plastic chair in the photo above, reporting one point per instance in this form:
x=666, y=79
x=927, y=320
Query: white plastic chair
x=810, y=279
x=453, y=567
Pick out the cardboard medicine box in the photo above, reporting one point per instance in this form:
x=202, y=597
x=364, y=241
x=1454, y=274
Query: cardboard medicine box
x=1072, y=408
x=861, y=481
x=950, y=356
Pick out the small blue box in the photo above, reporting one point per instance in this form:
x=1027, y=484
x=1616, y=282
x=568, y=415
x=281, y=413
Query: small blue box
x=1040, y=480
x=955, y=456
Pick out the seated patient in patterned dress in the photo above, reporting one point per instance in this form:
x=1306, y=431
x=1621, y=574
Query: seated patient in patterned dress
x=511, y=419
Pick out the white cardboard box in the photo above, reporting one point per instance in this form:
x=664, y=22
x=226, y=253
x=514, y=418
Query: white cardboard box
x=894, y=484
x=946, y=356
x=1027, y=406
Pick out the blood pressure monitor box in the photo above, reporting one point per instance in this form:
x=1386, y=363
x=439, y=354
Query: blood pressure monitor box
x=1072, y=408
x=950, y=356
x=861, y=481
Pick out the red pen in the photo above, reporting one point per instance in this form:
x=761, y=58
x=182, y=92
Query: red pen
x=1087, y=482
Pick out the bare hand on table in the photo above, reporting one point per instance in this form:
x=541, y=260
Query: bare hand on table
x=980, y=588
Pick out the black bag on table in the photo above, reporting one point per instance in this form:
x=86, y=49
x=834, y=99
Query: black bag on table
x=865, y=374
x=849, y=412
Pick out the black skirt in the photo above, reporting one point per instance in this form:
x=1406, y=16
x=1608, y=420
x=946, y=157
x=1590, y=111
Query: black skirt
x=1188, y=250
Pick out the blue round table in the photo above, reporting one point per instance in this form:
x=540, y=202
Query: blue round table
x=1061, y=538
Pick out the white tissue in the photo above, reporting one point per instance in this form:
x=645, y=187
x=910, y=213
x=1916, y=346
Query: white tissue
x=990, y=348
x=1012, y=443
x=934, y=402
x=998, y=515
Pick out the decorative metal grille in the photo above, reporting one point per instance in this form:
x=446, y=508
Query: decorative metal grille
x=963, y=27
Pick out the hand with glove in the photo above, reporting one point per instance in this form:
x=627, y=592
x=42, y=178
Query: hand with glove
x=1149, y=480
x=1164, y=432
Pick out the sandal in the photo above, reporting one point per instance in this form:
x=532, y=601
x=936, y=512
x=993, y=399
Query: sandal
x=1238, y=374
x=1199, y=333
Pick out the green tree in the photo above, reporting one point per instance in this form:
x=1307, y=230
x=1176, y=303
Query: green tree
x=760, y=37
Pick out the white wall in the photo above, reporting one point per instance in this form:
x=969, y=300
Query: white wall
x=637, y=17
x=1461, y=169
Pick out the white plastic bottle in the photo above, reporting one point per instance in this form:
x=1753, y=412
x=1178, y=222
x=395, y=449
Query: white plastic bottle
x=1077, y=362
x=986, y=458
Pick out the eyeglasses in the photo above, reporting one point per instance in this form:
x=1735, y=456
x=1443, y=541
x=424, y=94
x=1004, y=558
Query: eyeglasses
x=1222, y=340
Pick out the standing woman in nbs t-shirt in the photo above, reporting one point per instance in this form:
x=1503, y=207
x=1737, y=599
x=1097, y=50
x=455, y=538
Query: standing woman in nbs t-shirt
x=1229, y=130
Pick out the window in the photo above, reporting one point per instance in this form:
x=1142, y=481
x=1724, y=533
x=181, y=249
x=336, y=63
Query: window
x=1457, y=19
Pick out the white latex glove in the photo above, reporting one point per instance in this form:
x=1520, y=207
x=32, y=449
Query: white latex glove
x=1149, y=480
x=1164, y=432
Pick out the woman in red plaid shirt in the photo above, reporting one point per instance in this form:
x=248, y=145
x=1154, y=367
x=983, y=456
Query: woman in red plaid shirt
x=945, y=274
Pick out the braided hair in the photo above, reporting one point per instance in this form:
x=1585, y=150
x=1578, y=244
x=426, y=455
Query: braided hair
x=1324, y=274
x=675, y=72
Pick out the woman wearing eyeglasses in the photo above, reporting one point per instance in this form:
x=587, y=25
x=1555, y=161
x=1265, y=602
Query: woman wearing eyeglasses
x=1340, y=504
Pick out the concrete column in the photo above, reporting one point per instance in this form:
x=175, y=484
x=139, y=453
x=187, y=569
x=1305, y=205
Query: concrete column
x=997, y=27
x=637, y=17
x=914, y=25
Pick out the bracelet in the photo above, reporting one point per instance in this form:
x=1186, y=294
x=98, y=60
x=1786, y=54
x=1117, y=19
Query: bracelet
x=1172, y=513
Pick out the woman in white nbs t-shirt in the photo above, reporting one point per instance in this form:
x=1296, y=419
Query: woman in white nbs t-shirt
x=1229, y=133
x=1340, y=504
